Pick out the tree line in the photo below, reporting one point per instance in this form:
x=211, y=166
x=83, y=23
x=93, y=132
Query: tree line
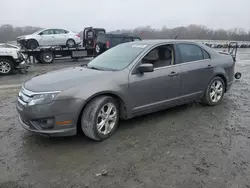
x=9, y=33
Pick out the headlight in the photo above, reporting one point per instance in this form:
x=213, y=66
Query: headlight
x=42, y=98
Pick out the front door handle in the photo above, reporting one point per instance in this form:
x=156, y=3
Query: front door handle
x=173, y=74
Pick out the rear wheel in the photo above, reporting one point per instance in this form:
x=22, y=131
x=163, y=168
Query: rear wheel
x=70, y=43
x=214, y=91
x=47, y=57
x=32, y=44
x=100, y=118
x=6, y=66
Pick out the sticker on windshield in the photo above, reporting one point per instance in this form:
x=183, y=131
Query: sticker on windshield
x=139, y=46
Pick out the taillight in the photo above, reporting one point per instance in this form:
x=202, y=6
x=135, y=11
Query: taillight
x=107, y=44
x=78, y=35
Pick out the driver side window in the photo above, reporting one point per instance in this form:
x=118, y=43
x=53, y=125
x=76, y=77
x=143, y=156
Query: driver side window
x=160, y=56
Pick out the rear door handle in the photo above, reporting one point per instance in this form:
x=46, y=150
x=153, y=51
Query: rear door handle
x=209, y=67
x=173, y=74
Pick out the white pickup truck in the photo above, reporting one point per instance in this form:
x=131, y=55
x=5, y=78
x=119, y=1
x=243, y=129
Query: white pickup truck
x=11, y=59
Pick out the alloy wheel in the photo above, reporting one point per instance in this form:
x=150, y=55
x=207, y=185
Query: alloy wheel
x=106, y=118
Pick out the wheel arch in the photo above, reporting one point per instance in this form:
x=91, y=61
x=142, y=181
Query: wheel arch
x=121, y=102
x=31, y=39
x=224, y=78
x=8, y=58
x=70, y=39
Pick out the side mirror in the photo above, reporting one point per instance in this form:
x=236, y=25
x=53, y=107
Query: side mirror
x=147, y=67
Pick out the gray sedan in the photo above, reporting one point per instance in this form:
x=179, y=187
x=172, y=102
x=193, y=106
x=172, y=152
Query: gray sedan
x=128, y=80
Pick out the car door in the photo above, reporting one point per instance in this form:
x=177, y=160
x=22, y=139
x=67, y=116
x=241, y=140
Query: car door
x=196, y=70
x=154, y=90
x=60, y=37
x=47, y=37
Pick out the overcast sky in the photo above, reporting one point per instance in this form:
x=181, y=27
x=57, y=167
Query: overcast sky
x=117, y=14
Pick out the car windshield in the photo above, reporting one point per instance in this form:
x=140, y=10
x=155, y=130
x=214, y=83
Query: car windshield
x=117, y=58
x=40, y=30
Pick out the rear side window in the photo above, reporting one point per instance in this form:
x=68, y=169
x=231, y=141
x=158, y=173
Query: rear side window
x=101, y=38
x=127, y=40
x=190, y=52
x=115, y=41
x=60, y=31
x=136, y=39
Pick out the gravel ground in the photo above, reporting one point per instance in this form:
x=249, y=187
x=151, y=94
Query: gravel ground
x=190, y=146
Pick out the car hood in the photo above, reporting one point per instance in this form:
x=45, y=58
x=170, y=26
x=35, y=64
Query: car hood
x=25, y=36
x=8, y=50
x=64, y=79
x=21, y=37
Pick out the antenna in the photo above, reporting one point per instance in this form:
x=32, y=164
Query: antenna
x=178, y=34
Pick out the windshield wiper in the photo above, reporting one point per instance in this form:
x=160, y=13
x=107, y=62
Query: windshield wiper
x=95, y=68
x=98, y=68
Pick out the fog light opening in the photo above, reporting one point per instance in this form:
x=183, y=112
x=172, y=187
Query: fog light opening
x=45, y=123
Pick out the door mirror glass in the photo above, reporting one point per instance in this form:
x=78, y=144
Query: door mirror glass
x=147, y=67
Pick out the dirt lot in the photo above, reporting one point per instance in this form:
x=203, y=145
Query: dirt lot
x=190, y=146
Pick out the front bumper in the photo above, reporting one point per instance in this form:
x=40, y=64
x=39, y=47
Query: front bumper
x=31, y=117
x=57, y=133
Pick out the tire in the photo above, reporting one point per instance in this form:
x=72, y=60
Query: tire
x=32, y=44
x=47, y=57
x=90, y=118
x=6, y=66
x=211, y=100
x=99, y=48
x=70, y=43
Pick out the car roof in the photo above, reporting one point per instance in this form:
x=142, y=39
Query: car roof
x=159, y=41
x=154, y=42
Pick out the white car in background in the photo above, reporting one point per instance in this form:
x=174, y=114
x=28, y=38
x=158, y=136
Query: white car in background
x=11, y=59
x=50, y=37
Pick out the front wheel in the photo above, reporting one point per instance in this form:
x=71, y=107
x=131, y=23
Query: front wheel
x=214, y=91
x=6, y=66
x=100, y=118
